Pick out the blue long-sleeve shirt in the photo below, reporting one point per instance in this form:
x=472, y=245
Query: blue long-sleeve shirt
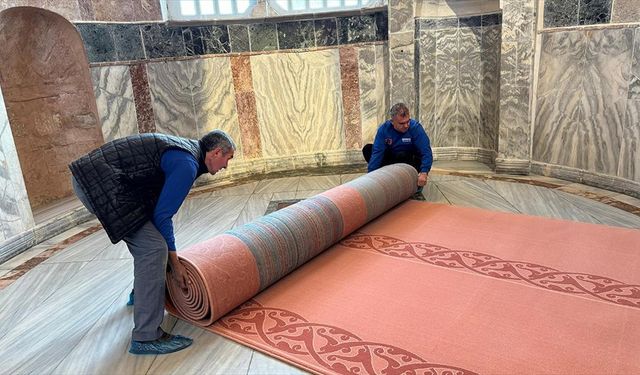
x=414, y=139
x=180, y=171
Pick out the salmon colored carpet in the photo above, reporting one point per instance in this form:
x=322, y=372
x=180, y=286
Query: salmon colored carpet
x=436, y=289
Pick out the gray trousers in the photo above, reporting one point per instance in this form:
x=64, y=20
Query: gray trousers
x=150, y=253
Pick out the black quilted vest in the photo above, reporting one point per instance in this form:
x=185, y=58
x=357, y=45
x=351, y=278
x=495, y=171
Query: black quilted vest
x=122, y=179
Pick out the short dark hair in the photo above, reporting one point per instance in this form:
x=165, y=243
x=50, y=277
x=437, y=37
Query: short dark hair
x=217, y=138
x=399, y=109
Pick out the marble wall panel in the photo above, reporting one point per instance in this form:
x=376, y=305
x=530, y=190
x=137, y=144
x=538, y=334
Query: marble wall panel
x=114, y=96
x=518, y=21
x=559, y=13
x=246, y=106
x=490, y=81
x=171, y=98
x=296, y=34
x=239, y=38
x=584, y=112
x=120, y=10
x=147, y=10
x=427, y=99
x=114, y=10
x=625, y=11
x=98, y=42
x=205, y=40
x=400, y=16
x=350, y=97
x=634, y=82
x=142, y=98
x=326, y=32
x=448, y=8
x=49, y=100
x=401, y=69
x=127, y=42
x=594, y=11
x=263, y=37
x=68, y=9
x=357, y=29
x=298, y=102
x=15, y=211
x=469, y=84
x=86, y=10
x=162, y=41
x=629, y=160
x=446, y=116
x=372, y=79
x=514, y=123
x=515, y=82
x=214, y=104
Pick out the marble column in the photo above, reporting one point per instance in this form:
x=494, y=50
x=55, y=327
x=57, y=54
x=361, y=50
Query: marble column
x=516, y=77
x=401, y=26
x=15, y=211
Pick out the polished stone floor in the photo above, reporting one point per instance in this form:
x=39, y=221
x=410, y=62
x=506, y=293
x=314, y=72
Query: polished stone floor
x=62, y=303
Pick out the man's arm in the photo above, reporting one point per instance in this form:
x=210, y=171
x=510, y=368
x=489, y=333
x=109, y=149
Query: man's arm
x=180, y=170
x=424, y=146
x=377, y=153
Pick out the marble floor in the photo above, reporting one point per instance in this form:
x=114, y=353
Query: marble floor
x=62, y=303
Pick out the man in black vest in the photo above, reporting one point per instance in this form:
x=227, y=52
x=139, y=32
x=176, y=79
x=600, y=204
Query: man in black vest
x=134, y=186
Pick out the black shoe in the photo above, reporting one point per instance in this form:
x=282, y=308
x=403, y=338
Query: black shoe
x=418, y=197
x=166, y=344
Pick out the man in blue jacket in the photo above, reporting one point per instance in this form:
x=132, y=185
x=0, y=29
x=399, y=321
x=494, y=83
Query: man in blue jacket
x=401, y=140
x=134, y=186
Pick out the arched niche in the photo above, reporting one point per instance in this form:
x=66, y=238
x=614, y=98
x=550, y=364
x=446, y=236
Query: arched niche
x=45, y=78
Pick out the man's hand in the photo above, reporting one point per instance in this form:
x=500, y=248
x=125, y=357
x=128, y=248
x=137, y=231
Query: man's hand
x=422, y=178
x=178, y=272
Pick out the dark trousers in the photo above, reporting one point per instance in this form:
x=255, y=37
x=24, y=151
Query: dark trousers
x=412, y=158
x=150, y=253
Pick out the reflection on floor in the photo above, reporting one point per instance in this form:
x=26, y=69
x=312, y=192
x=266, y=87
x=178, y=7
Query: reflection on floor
x=62, y=303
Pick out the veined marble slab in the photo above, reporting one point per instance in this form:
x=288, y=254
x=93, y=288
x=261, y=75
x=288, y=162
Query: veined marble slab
x=474, y=193
x=15, y=210
x=278, y=185
x=539, y=201
x=114, y=97
x=170, y=85
x=318, y=182
x=603, y=213
x=36, y=343
x=299, y=102
x=214, y=101
x=39, y=283
x=582, y=95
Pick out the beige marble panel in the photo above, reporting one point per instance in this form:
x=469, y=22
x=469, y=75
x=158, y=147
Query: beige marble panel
x=458, y=8
x=114, y=97
x=373, y=104
x=170, y=87
x=299, y=102
x=214, y=98
x=625, y=11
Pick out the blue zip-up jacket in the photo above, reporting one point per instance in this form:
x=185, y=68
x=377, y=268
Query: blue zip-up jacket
x=415, y=139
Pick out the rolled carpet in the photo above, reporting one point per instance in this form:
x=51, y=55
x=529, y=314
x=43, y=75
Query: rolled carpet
x=230, y=268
